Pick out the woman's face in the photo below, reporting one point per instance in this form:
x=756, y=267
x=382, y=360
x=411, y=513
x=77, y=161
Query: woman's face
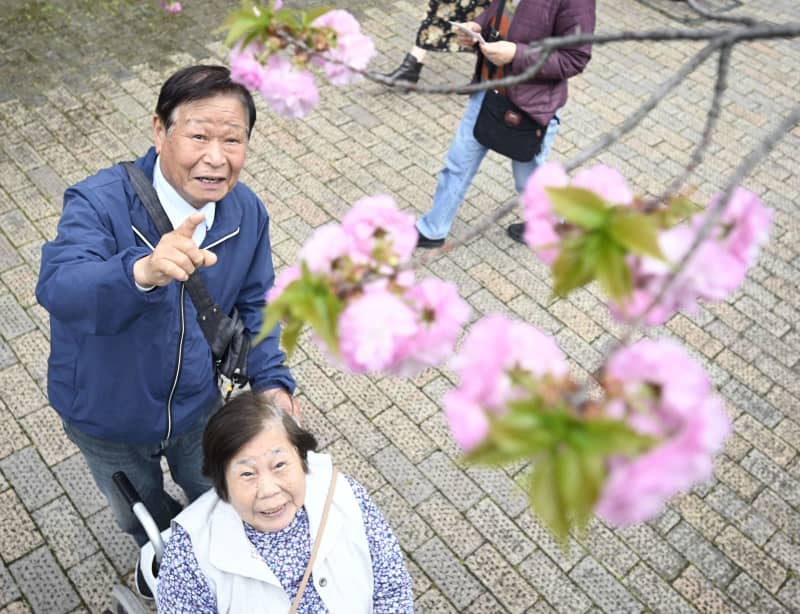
x=265, y=479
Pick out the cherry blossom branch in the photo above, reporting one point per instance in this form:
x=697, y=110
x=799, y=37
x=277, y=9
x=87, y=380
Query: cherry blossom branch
x=547, y=45
x=715, y=214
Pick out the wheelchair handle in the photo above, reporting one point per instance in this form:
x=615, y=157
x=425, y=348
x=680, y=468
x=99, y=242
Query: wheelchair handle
x=125, y=488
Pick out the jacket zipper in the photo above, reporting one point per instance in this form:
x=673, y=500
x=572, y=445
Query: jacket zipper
x=183, y=331
x=177, y=367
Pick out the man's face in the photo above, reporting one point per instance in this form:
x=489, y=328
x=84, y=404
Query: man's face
x=203, y=152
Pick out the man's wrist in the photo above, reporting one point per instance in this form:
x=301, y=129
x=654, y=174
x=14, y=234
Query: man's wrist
x=139, y=276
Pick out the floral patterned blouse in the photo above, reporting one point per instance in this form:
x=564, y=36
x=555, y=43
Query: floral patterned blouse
x=434, y=32
x=183, y=589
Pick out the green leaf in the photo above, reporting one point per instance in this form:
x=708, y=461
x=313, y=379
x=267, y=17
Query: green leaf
x=546, y=496
x=612, y=271
x=581, y=207
x=290, y=18
x=289, y=335
x=312, y=14
x=574, y=267
x=492, y=456
x=636, y=232
x=677, y=210
x=242, y=26
x=577, y=505
x=604, y=436
x=308, y=300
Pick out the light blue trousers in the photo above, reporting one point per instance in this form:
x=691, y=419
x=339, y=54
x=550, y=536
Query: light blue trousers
x=462, y=162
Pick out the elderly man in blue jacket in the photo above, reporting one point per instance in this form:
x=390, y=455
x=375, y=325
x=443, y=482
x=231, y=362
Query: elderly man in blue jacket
x=130, y=372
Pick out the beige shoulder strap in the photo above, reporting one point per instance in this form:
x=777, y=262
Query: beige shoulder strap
x=317, y=541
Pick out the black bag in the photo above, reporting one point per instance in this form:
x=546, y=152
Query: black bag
x=501, y=125
x=505, y=128
x=226, y=335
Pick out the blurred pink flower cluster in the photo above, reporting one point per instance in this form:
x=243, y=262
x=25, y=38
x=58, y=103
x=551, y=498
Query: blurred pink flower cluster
x=171, y=6
x=285, y=83
x=352, y=50
x=495, y=351
x=716, y=269
x=660, y=391
x=390, y=322
x=541, y=222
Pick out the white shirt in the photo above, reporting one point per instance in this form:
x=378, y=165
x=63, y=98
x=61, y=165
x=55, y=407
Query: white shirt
x=177, y=209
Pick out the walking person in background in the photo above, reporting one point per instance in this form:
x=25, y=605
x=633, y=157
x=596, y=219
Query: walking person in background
x=435, y=34
x=506, y=48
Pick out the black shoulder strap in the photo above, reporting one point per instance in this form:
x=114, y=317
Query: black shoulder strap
x=209, y=315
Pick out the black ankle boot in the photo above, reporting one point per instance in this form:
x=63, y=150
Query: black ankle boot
x=408, y=70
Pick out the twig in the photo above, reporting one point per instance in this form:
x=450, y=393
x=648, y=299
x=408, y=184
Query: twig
x=546, y=46
x=715, y=213
x=697, y=8
x=651, y=103
x=705, y=140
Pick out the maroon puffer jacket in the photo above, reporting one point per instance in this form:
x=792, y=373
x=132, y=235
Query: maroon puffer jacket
x=535, y=20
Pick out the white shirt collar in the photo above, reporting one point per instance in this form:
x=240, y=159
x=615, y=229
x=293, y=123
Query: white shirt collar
x=177, y=209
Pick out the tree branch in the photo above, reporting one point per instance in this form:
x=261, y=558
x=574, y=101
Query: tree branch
x=715, y=213
x=651, y=103
x=705, y=140
x=697, y=8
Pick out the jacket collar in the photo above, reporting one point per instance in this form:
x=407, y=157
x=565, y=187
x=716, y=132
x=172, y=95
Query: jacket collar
x=227, y=217
x=231, y=551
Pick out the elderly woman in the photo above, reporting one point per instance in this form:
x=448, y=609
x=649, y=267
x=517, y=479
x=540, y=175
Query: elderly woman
x=278, y=516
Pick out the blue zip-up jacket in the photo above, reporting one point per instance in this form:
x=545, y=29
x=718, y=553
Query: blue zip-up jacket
x=133, y=366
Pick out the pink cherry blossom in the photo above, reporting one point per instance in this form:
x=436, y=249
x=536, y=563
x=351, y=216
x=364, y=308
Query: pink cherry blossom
x=170, y=6
x=716, y=269
x=493, y=348
x=468, y=422
x=353, y=50
x=660, y=391
x=540, y=221
x=374, y=330
x=289, y=91
x=606, y=182
x=441, y=314
x=328, y=244
x=284, y=278
x=245, y=67
x=375, y=221
x=748, y=222
x=278, y=5
x=340, y=21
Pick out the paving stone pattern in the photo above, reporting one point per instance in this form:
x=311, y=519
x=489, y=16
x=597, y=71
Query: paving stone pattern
x=80, y=80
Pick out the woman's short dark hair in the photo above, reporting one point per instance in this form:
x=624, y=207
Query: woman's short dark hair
x=198, y=83
x=240, y=420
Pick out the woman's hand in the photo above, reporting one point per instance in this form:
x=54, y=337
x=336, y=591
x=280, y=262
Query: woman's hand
x=464, y=39
x=499, y=53
x=284, y=401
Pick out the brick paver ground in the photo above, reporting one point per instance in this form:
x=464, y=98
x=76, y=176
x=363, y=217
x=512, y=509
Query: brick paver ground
x=80, y=80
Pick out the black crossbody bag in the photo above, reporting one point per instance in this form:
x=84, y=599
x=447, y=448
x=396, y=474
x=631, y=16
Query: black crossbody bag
x=501, y=125
x=226, y=335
